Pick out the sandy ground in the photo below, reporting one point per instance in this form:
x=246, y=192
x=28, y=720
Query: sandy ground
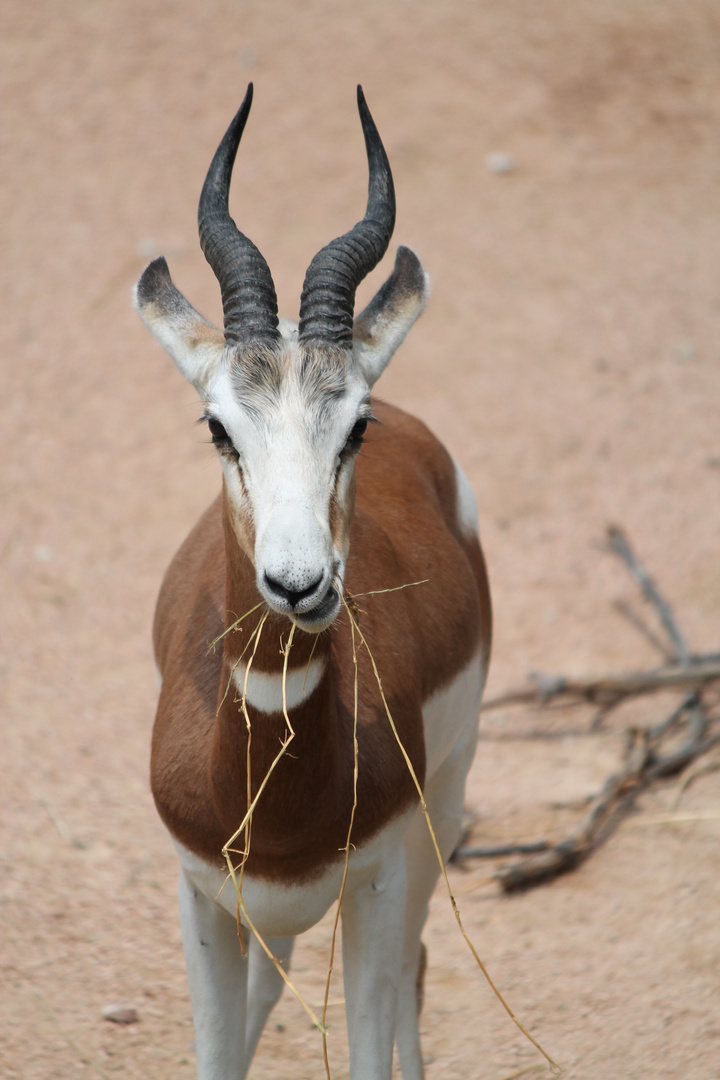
x=570, y=360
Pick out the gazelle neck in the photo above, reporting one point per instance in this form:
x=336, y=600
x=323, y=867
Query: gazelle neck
x=257, y=640
x=269, y=695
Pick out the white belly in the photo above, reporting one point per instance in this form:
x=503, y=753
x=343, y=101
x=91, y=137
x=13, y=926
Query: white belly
x=278, y=910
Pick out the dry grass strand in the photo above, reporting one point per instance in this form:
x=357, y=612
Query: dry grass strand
x=347, y=854
x=228, y=850
x=556, y=1069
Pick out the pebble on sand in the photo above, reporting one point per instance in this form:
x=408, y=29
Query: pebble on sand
x=499, y=163
x=121, y=1014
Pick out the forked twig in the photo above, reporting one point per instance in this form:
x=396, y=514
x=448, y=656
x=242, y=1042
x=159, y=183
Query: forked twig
x=619, y=544
x=617, y=794
x=646, y=761
x=609, y=690
x=682, y=670
x=567, y=854
x=667, y=653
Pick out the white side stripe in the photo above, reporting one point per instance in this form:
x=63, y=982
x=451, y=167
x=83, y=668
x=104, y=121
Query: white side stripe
x=467, y=510
x=265, y=692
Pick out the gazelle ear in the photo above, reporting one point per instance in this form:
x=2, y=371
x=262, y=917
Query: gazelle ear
x=194, y=344
x=381, y=327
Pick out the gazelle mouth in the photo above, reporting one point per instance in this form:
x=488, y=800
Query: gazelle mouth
x=310, y=613
x=320, y=617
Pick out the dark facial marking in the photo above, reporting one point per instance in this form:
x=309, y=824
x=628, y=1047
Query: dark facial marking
x=217, y=431
x=358, y=432
x=220, y=438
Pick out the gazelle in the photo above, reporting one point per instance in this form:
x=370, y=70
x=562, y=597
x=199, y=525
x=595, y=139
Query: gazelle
x=318, y=502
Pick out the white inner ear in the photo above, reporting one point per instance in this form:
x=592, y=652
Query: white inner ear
x=195, y=344
x=388, y=334
x=382, y=326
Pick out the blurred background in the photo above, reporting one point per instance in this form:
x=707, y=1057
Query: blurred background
x=557, y=169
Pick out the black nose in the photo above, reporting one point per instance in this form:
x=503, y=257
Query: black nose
x=291, y=596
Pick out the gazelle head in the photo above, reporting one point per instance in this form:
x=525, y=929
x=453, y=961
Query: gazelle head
x=287, y=406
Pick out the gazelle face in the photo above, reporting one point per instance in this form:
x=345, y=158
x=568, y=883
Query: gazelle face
x=288, y=419
x=288, y=423
x=287, y=406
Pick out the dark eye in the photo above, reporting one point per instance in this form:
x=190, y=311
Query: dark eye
x=218, y=432
x=358, y=431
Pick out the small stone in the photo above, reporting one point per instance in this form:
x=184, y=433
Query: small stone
x=686, y=351
x=121, y=1014
x=499, y=163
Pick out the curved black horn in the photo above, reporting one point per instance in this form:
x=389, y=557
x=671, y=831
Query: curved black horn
x=328, y=297
x=248, y=293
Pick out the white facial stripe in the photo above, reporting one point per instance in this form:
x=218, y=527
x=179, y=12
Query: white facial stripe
x=265, y=692
x=467, y=511
x=289, y=441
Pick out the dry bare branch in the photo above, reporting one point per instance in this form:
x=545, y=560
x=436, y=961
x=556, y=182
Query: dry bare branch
x=610, y=689
x=567, y=854
x=646, y=760
x=619, y=544
x=643, y=766
x=624, y=609
x=499, y=851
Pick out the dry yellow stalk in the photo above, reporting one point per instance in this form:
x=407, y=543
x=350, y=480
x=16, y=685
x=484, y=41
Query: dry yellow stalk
x=379, y=592
x=233, y=626
x=248, y=643
x=557, y=1069
x=347, y=855
x=245, y=825
x=228, y=850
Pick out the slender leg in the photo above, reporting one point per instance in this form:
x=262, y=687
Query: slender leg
x=444, y=796
x=423, y=873
x=217, y=976
x=372, y=917
x=265, y=988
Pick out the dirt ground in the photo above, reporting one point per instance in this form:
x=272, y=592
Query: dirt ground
x=569, y=358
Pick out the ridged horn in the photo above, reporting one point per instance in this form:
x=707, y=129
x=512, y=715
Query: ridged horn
x=328, y=298
x=248, y=293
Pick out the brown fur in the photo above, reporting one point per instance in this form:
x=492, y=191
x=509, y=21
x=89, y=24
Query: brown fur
x=404, y=530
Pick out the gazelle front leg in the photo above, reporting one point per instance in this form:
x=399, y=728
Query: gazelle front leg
x=373, y=917
x=265, y=987
x=218, y=976
x=444, y=798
